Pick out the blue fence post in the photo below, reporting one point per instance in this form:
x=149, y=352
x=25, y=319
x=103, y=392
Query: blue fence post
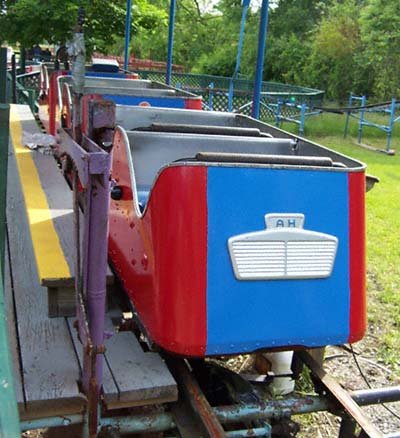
x=260, y=58
x=391, y=122
x=210, y=96
x=127, y=33
x=346, y=125
x=361, y=123
x=278, y=113
x=170, y=41
x=302, y=118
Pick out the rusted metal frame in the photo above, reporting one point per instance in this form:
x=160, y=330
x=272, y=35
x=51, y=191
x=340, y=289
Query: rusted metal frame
x=125, y=424
x=341, y=396
x=190, y=389
x=92, y=167
x=296, y=405
x=264, y=432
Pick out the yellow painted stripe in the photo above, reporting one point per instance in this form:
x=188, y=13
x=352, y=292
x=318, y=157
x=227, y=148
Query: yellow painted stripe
x=50, y=259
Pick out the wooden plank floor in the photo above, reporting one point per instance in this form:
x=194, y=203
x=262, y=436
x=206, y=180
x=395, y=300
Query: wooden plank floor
x=45, y=351
x=132, y=377
x=48, y=201
x=50, y=371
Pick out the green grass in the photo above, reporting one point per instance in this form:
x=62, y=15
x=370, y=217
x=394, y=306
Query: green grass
x=383, y=219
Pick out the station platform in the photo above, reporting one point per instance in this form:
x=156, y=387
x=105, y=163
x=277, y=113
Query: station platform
x=39, y=257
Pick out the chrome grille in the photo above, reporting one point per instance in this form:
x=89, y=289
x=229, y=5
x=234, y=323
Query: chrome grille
x=259, y=259
x=283, y=252
x=310, y=259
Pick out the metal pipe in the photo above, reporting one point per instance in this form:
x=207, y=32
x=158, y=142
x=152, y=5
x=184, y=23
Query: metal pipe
x=245, y=7
x=127, y=33
x=260, y=58
x=147, y=423
x=366, y=397
x=133, y=424
x=301, y=405
x=43, y=423
x=14, y=79
x=259, y=431
x=391, y=121
x=361, y=122
x=226, y=414
x=170, y=41
x=271, y=409
x=3, y=75
x=95, y=261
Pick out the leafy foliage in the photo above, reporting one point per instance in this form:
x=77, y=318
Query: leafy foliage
x=338, y=46
x=29, y=22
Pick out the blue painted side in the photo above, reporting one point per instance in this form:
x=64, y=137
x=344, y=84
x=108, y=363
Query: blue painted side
x=247, y=315
x=163, y=102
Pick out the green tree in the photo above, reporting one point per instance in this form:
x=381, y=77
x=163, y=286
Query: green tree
x=34, y=21
x=380, y=57
x=332, y=64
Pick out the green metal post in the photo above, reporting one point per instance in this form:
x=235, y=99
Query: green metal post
x=9, y=421
x=4, y=129
x=3, y=75
x=22, y=61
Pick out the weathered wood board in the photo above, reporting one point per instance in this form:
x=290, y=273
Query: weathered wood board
x=132, y=377
x=50, y=369
x=58, y=200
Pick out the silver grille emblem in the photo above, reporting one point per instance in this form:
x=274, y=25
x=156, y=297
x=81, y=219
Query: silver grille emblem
x=283, y=251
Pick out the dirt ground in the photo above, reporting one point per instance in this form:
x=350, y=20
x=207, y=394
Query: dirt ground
x=341, y=364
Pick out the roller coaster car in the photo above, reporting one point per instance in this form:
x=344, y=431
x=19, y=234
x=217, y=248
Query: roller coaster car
x=55, y=102
x=232, y=236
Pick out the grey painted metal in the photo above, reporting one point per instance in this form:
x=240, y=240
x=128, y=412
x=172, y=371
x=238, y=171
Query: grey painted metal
x=130, y=118
x=156, y=150
x=123, y=87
